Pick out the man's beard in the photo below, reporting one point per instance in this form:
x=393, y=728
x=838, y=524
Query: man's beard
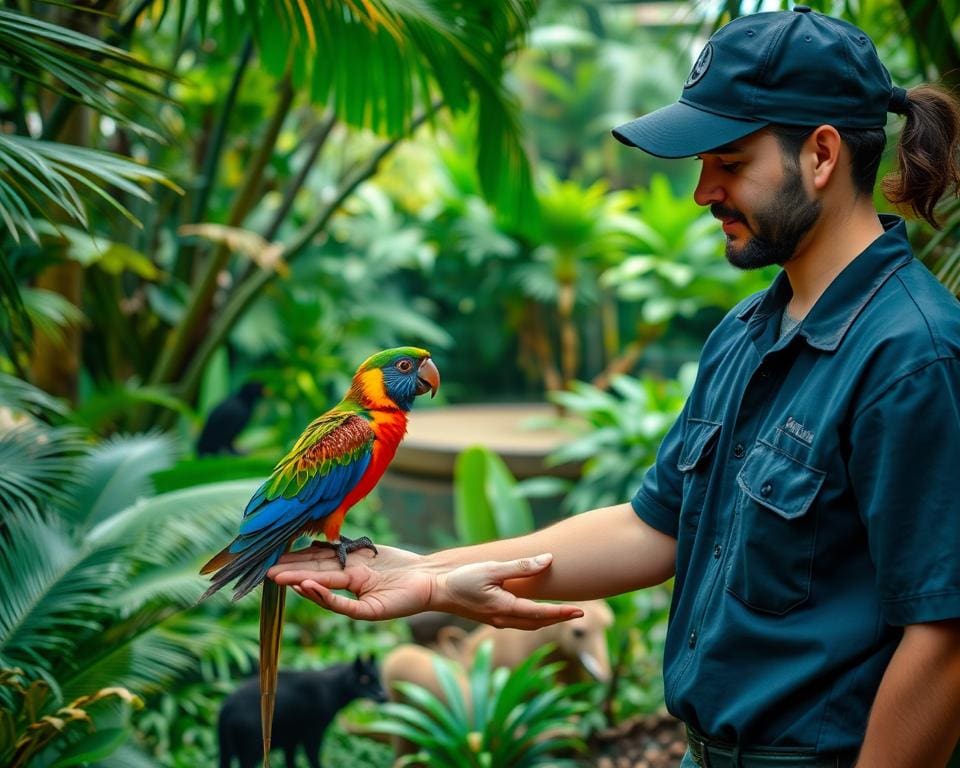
x=778, y=227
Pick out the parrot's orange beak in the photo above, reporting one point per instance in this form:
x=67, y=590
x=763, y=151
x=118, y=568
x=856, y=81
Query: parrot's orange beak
x=428, y=378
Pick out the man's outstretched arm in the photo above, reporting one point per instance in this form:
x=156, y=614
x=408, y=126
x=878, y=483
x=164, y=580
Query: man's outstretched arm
x=598, y=553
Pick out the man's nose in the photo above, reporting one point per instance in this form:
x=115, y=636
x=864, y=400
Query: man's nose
x=708, y=190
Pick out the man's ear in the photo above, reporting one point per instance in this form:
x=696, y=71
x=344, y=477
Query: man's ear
x=821, y=151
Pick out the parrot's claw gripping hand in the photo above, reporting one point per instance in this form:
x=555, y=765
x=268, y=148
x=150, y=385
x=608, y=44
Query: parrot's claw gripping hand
x=345, y=546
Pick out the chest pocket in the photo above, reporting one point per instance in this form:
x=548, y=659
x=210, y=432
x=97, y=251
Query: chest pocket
x=771, y=559
x=694, y=463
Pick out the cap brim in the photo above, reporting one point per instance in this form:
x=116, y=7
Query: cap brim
x=680, y=130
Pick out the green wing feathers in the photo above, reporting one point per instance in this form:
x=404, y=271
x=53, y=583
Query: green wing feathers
x=338, y=438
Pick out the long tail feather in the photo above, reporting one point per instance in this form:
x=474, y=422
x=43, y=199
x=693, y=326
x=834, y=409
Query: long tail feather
x=271, y=623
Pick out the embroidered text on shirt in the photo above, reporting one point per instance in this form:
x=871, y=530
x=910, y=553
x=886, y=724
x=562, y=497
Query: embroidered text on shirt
x=799, y=431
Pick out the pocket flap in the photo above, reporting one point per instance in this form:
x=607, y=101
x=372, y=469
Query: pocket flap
x=698, y=440
x=779, y=482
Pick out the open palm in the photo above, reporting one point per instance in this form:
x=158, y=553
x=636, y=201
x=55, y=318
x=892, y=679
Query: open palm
x=397, y=583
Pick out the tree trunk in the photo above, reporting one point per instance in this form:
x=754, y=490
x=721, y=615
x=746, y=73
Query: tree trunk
x=56, y=364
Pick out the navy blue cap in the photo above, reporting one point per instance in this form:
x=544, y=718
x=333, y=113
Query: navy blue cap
x=794, y=67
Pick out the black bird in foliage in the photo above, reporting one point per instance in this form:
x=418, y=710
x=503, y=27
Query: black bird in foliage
x=228, y=419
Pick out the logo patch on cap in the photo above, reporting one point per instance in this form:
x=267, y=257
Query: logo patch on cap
x=700, y=67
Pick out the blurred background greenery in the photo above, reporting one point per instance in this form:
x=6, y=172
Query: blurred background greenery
x=197, y=195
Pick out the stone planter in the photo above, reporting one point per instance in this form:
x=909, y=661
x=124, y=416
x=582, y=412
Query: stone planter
x=417, y=491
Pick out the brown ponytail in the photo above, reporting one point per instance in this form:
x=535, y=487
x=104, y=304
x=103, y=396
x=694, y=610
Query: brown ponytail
x=927, y=153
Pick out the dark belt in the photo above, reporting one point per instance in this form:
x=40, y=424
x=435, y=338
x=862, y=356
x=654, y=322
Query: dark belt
x=717, y=754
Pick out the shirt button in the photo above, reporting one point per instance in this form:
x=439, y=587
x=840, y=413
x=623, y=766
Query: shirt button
x=766, y=489
x=764, y=372
x=717, y=550
x=692, y=640
x=739, y=451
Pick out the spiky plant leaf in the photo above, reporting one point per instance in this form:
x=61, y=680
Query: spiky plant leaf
x=520, y=717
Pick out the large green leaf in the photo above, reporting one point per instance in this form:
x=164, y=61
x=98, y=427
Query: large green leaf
x=487, y=503
x=91, y=747
x=190, y=472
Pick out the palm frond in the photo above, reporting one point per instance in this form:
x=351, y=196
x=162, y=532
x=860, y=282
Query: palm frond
x=38, y=464
x=117, y=473
x=14, y=320
x=942, y=251
x=142, y=658
x=145, y=655
x=36, y=176
x=50, y=313
x=73, y=64
x=53, y=590
x=411, y=50
x=18, y=395
x=192, y=519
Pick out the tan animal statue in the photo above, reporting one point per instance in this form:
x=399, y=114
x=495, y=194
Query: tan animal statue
x=580, y=643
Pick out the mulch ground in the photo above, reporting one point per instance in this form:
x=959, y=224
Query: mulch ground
x=650, y=741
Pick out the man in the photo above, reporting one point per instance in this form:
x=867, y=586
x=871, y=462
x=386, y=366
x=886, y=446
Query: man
x=806, y=498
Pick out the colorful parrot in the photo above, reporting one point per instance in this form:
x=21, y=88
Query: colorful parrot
x=337, y=461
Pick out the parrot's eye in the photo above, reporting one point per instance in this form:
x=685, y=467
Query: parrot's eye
x=404, y=366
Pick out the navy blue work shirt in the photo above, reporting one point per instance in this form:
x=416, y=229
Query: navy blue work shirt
x=813, y=486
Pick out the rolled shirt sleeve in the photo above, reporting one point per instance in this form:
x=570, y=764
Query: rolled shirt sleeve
x=658, y=500
x=905, y=472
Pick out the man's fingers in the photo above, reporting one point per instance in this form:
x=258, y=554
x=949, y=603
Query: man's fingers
x=337, y=579
x=528, y=624
x=355, y=609
x=541, y=614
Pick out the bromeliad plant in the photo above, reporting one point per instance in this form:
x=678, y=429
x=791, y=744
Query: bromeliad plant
x=505, y=718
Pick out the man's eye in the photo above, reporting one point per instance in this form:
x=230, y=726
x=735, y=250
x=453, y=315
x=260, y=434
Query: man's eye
x=730, y=167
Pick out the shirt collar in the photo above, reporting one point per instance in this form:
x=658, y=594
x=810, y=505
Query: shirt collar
x=843, y=300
